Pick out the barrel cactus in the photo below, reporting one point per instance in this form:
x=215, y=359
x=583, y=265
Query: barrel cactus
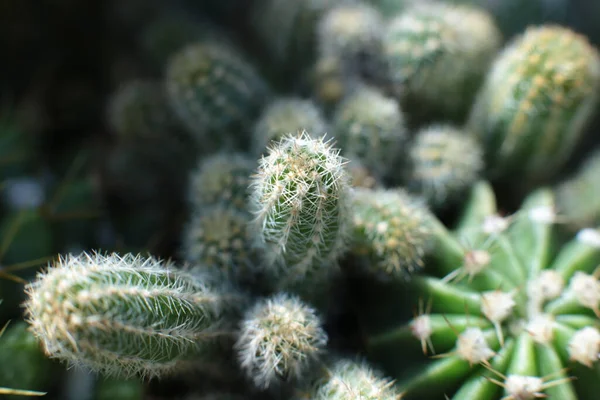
x=502, y=312
x=538, y=97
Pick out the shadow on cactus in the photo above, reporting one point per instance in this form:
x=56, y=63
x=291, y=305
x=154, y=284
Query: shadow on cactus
x=501, y=311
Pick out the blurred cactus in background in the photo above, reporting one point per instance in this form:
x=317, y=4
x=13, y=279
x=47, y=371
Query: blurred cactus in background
x=317, y=199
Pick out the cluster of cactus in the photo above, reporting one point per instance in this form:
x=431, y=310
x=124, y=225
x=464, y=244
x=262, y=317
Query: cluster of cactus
x=256, y=195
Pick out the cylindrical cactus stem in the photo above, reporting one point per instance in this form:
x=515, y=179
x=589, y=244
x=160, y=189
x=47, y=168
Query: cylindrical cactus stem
x=390, y=232
x=217, y=238
x=537, y=99
x=280, y=338
x=215, y=92
x=221, y=179
x=437, y=55
x=352, y=32
x=284, y=116
x=369, y=127
x=444, y=162
x=300, y=200
x=125, y=315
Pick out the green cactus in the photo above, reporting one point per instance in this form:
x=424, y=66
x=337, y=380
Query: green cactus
x=369, y=127
x=299, y=197
x=503, y=310
x=390, y=232
x=125, y=315
x=215, y=92
x=221, y=179
x=437, y=55
x=577, y=197
x=280, y=338
x=352, y=32
x=444, y=162
x=218, y=238
x=23, y=363
x=284, y=116
x=537, y=99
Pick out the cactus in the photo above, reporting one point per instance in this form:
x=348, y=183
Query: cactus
x=215, y=92
x=218, y=238
x=352, y=33
x=299, y=197
x=437, y=55
x=139, y=109
x=444, y=163
x=23, y=363
x=280, y=337
x=390, y=232
x=330, y=82
x=577, y=198
x=124, y=315
x=369, y=127
x=504, y=312
x=352, y=379
x=284, y=116
x=221, y=179
x=536, y=101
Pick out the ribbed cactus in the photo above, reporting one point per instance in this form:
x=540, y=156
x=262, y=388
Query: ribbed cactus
x=437, y=55
x=218, y=238
x=537, y=99
x=124, y=315
x=390, y=232
x=352, y=379
x=139, y=109
x=578, y=197
x=215, y=92
x=221, y=179
x=501, y=309
x=444, y=161
x=352, y=32
x=284, y=116
x=299, y=197
x=280, y=338
x=369, y=127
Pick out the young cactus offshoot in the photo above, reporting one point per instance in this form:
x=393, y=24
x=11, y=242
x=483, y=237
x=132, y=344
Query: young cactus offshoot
x=502, y=313
x=124, y=315
x=299, y=197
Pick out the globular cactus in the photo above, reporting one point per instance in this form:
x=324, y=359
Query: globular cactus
x=221, y=179
x=504, y=312
x=352, y=33
x=536, y=102
x=215, y=92
x=218, y=239
x=444, y=162
x=139, y=110
x=300, y=201
x=578, y=197
x=437, y=55
x=23, y=367
x=330, y=82
x=369, y=127
x=125, y=315
x=390, y=232
x=348, y=379
x=280, y=338
x=284, y=116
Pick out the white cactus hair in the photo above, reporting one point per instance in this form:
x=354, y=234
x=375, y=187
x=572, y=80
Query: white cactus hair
x=279, y=338
x=121, y=315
